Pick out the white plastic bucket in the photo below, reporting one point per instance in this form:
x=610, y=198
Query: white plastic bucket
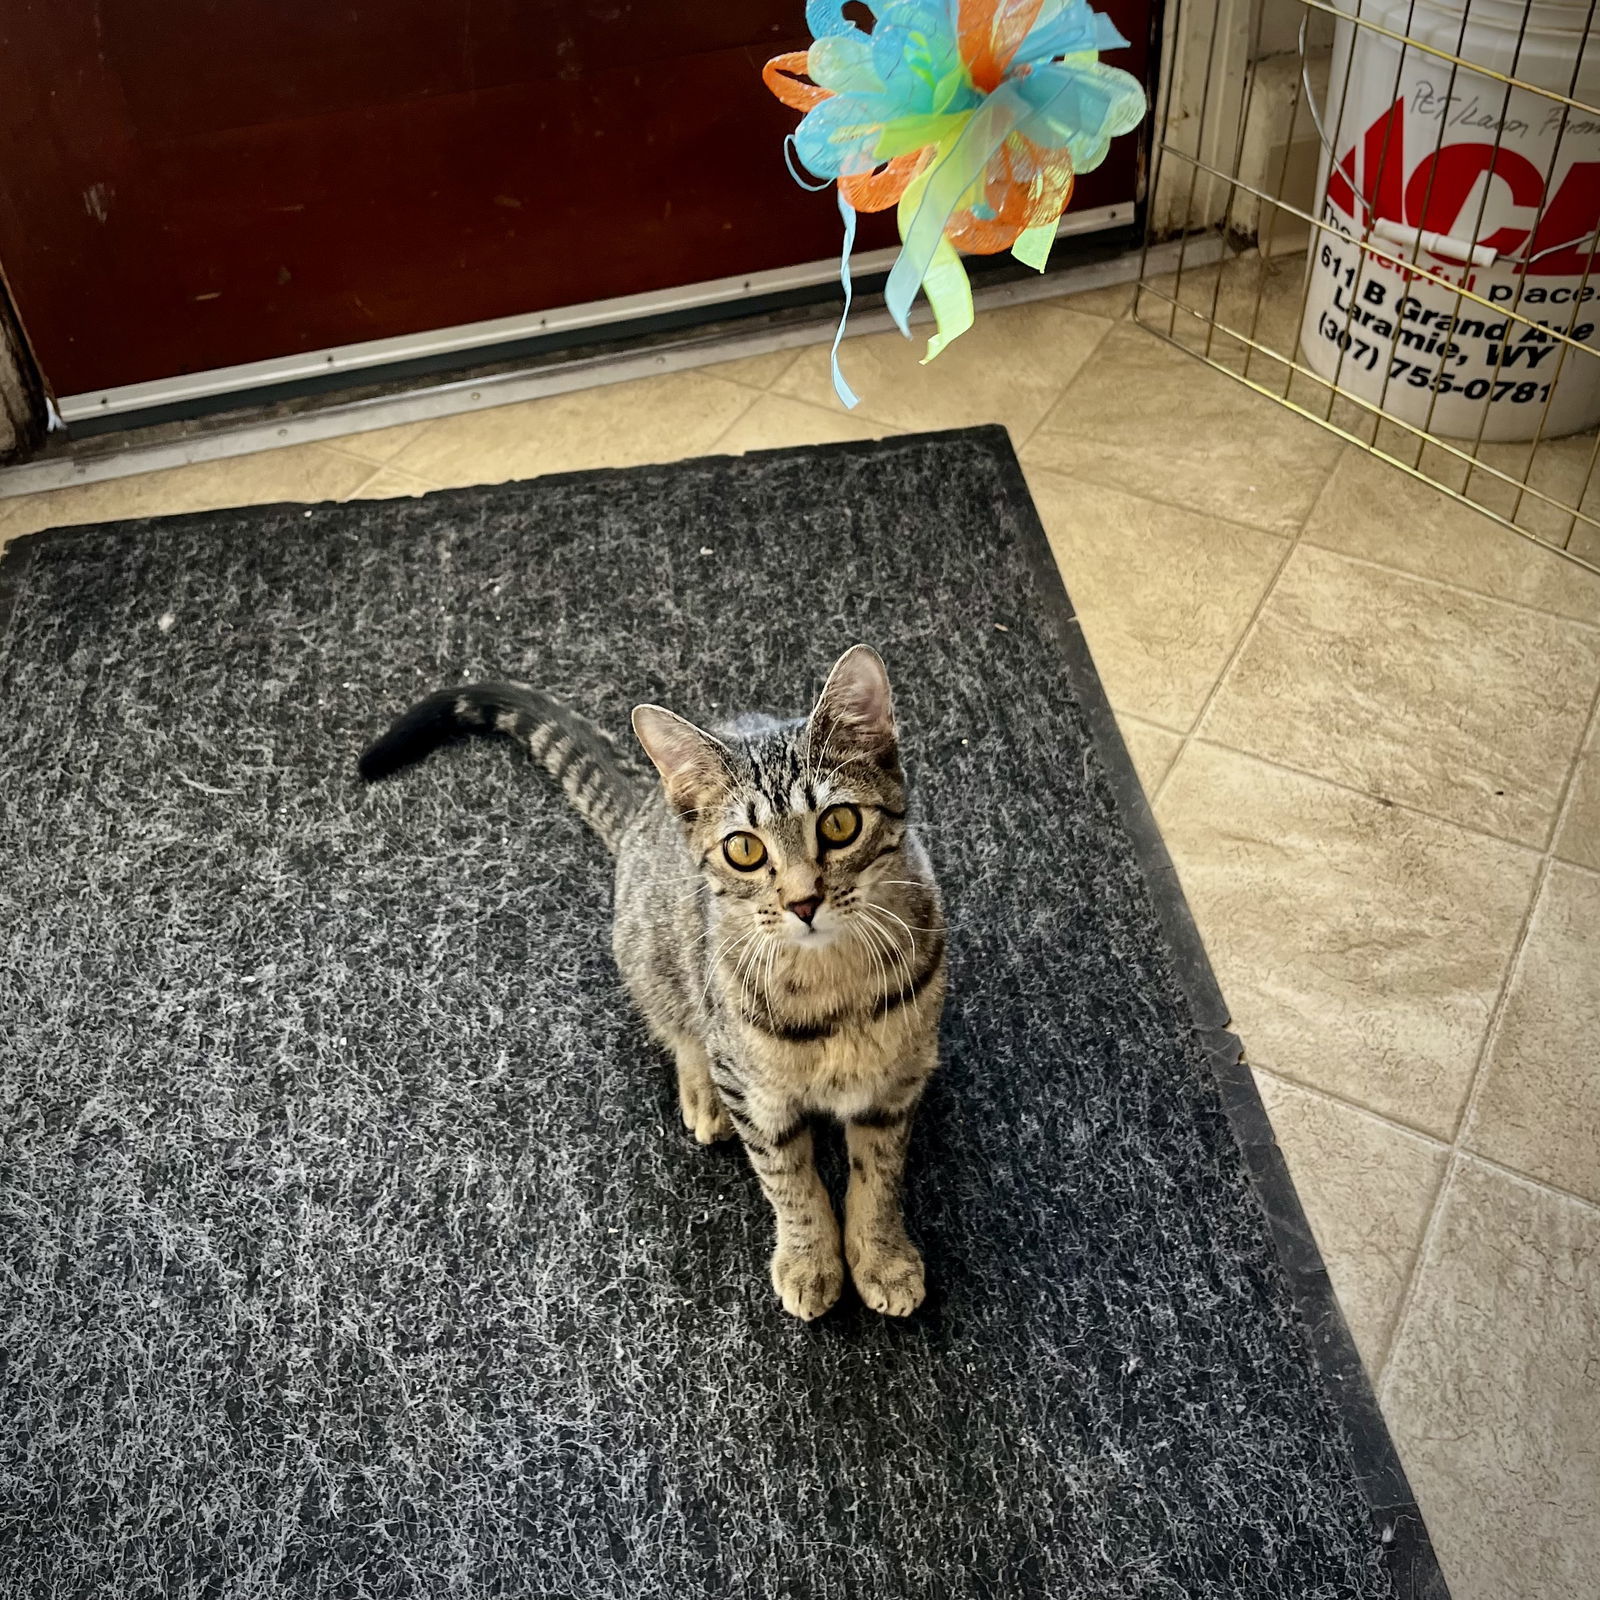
x=1413, y=168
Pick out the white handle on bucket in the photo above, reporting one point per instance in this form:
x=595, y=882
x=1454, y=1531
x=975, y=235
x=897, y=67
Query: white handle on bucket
x=1439, y=244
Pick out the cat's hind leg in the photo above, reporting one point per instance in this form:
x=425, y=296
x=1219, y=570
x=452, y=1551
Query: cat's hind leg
x=704, y=1114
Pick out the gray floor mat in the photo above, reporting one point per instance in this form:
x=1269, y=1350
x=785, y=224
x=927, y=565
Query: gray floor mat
x=349, y=1240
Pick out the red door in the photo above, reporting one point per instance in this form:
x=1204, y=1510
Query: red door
x=201, y=183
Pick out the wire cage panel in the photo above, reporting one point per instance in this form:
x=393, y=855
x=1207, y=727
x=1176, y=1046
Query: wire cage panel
x=1391, y=227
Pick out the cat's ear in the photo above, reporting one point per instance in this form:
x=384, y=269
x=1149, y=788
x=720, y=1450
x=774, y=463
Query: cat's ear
x=854, y=714
x=694, y=767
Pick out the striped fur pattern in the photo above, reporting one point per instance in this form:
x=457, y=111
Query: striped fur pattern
x=794, y=977
x=581, y=758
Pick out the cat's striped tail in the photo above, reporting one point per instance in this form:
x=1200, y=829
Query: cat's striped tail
x=569, y=747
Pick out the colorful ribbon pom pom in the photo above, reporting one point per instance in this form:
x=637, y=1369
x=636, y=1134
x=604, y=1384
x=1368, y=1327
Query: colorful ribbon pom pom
x=971, y=116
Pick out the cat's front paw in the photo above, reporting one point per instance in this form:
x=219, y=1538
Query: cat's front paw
x=704, y=1114
x=889, y=1279
x=808, y=1281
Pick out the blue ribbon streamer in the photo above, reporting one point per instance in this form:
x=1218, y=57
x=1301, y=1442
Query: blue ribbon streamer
x=794, y=171
x=846, y=394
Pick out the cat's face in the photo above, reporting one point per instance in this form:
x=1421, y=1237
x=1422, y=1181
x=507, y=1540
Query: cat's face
x=794, y=843
x=792, y=824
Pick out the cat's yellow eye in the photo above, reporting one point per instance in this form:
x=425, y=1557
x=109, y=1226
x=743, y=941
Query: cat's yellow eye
x=744, y=851
x=839, y=824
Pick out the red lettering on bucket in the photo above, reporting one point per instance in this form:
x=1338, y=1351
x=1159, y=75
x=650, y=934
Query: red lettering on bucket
x=1571, y=219
x=1438, y=191
x=1435, y=196
x=1383, y=161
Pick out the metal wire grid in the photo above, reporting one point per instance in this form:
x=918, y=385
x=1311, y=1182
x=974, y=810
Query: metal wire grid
x=1232, y=314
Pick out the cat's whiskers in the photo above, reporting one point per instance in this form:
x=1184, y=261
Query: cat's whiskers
x=868, y=940
x=711, y=927
x=905, y=883
x=910, y=927
x=900, y=976
x=752, y=956
x=717, y=959
x=891, y=943
x=879, y=906
x=903, y=1017
x=881, y=940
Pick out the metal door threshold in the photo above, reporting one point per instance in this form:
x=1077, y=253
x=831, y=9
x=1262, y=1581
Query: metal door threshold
x=310, y=420
x=432, y=344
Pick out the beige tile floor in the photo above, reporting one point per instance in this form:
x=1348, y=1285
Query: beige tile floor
x=1367, y=720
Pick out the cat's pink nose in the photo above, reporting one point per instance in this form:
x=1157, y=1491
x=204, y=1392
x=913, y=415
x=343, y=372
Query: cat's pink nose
x=805, y=909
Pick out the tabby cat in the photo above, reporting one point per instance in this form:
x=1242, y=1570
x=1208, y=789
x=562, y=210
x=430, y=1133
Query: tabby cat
x=778, y=925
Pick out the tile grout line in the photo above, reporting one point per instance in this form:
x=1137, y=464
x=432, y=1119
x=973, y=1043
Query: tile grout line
x=1582, y=868
x=1389, y=1121
x=1294, y=541
x=366, y=482
x=1157, y=499
x=1548, y=859
x=1245, y=636
x=891, y=429
x=337, y=444
x=1291, y=543
x=1145, y=721
x=330, y=445
x=1455, y=1153
x=1544, y=1185
x=428, y=484
x=1491, y=1038
x=1386, y=801
x=733, y=422
x=862, y=414
x=713, y=369
x=1460, y=588
x=1439, y=1145
x=266, y=434
x=796, y=355
x=1302, y=537
x=1019, y=445
x=741, y=383
x=1558, y=817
